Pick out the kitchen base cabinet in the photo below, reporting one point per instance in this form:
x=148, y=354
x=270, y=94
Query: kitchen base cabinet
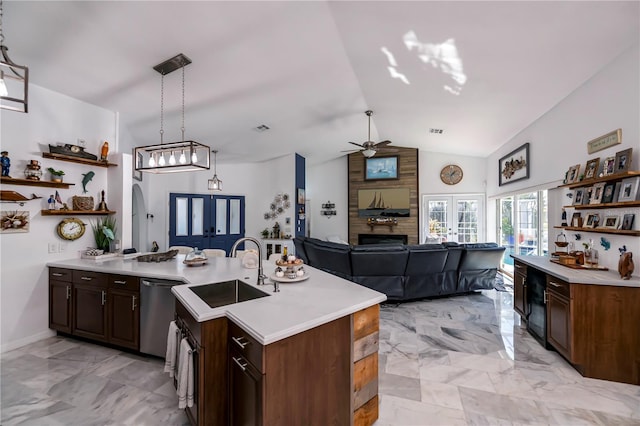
x=559, y=316
x=520, y=300
x=100, y=307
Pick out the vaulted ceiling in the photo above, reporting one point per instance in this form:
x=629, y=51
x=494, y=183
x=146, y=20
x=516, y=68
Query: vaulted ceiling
x=480, y=71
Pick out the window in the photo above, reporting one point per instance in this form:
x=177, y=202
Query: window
x=523, y=226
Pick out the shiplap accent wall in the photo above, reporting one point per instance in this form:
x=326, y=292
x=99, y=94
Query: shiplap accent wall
x=407, y=178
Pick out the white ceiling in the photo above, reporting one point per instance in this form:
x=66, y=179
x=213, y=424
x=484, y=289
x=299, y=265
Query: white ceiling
x=309, y=70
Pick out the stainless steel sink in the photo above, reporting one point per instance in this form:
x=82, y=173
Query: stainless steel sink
x=226, y=293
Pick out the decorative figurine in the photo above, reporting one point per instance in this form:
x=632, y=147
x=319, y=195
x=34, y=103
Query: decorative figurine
x=6, y=163
x=564, y=218
x=605, y=243
x=52, y=202
x=104, y=152
x=86, y=179
x=625, y=264
x=155, y=247
x=102, y=206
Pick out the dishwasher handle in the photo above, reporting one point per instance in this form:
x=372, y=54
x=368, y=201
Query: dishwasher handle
x=167, y=284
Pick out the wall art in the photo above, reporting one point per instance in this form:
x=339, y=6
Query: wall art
x=514, y=166
x=14, y=221
x=384, y=202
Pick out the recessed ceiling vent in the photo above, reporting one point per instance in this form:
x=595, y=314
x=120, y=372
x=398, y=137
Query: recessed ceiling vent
x=261, y=128
x=436, y=131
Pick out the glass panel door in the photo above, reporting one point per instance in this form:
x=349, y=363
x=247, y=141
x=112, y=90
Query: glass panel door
x=453, y=218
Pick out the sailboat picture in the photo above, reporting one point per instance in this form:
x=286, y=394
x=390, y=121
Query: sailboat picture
x=383, y=202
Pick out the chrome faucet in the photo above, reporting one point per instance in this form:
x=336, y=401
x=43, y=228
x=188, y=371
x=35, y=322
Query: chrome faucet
x=261, y=275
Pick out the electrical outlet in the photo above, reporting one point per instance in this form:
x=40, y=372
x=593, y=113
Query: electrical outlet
x=53, y=247
x=62, y=247
x=82, y=143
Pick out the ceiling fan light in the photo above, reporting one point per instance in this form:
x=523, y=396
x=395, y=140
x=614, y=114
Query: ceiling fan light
x=369, y=152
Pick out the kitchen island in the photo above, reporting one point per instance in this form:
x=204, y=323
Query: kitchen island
x=590, y=317
x=305, y=355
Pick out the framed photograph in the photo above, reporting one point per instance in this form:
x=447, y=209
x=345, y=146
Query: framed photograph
x=381, y=168
x=576, y=220
x=592, y=220
x=607, y=193
x=301, y=199
x=629, y=189
x=591, y=169
x=578, y=196
x=598, y=193
x=608, y=166
x=627, y=221
x=573, y=175
x=514, y=166
x=623, y=161
x=611, y=222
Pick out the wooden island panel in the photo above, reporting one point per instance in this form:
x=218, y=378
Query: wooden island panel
x=366, y=333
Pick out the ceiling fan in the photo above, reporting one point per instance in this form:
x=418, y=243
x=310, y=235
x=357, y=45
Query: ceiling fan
x=370, y=148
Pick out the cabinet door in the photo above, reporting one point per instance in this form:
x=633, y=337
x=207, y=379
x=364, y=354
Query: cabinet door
x=124, y=318
x=520, y=295
x=245, y=392
x=60, y=306
x=559, y=323
x=90, y=312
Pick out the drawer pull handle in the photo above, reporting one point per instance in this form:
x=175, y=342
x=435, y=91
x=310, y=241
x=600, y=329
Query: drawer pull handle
x=518, y=266
x=555, y=284
x=239, y=342
x=68, y=292
x=133, y=303
x=104, y=297
x=243, y=366
x=120, y=282
x=544, y=299
x=86, y=278
x=57, y=274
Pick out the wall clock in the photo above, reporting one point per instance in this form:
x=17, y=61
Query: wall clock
x=71, y=229
x=451, y=174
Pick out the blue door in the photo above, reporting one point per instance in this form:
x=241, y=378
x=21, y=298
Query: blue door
x=205, y=221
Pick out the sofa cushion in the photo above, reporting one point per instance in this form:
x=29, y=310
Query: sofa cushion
x=378, y=248
x=330, y=257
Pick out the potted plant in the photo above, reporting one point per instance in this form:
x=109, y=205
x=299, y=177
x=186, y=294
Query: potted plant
x=104, y=232
x=56, y=175
x=265, y=233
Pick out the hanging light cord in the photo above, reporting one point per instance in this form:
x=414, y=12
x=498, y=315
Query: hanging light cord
x=1, y=32
x=161, y=108
x=182, y=128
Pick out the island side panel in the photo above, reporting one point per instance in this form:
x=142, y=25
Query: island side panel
x=307, y=377
x=366, y=334
x=607, y=328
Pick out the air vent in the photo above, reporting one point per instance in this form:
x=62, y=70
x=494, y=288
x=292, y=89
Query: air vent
x=261, y=128
x=437, y=131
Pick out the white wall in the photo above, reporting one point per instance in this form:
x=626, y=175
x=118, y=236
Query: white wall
x=257, y=182
x=52, y=118
x=608, y=101
x=326, y=182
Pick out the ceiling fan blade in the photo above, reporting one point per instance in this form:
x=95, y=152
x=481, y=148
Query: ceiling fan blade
x=383, y=143
x=356, y=144
x=351, y=150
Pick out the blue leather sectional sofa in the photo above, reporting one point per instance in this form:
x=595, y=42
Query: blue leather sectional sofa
x=407, y=272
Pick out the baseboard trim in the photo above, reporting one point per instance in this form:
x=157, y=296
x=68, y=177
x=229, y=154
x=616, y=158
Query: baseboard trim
x=26, y=340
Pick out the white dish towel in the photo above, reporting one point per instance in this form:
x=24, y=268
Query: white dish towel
x=173, y=339
x=185, y=375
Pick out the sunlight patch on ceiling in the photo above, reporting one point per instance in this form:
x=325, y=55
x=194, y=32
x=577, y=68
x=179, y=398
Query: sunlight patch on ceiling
x=443, y=56
x=392, y=66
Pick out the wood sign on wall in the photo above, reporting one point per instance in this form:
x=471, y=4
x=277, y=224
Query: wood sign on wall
x=406, y=182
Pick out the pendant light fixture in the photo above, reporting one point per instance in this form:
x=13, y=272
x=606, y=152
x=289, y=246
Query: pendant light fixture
x=215, y=184
x=161, y=158
x=14, y=79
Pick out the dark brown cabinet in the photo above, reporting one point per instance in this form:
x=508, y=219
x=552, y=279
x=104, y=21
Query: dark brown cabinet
x=245, y=391
x=60, y=299
x=520, y=302
x=100, y=307
x=559, y=316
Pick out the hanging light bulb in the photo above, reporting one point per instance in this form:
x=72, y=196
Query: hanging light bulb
x=194, y=157
x=172, y=159
x=3, y=87
x=215, y=184
x=183, y=158
x=152, y=160
x=161, y=161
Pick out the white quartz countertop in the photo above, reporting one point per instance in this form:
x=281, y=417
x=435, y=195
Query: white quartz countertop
x=579, y=276
x=296, y=308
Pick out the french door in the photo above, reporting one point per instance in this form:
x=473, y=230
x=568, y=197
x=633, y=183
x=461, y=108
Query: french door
x=205, y=221
x=456, y=218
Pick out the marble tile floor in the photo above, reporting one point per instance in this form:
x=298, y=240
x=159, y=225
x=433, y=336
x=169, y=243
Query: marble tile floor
x=463, y=360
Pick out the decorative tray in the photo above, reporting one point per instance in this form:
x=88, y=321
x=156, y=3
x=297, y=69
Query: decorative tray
x=297, y=262
x=195, y=262
x=584, y=267
x=288, y=280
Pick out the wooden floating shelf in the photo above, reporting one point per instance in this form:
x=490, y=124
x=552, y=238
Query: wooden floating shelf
x=601, y=230
x=28, y=182
x=590, y=182
x=76, y=212
x=78, y=160
x=604, y=206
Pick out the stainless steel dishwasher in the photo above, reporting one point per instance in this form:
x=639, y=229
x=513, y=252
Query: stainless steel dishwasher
x=157, y=308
